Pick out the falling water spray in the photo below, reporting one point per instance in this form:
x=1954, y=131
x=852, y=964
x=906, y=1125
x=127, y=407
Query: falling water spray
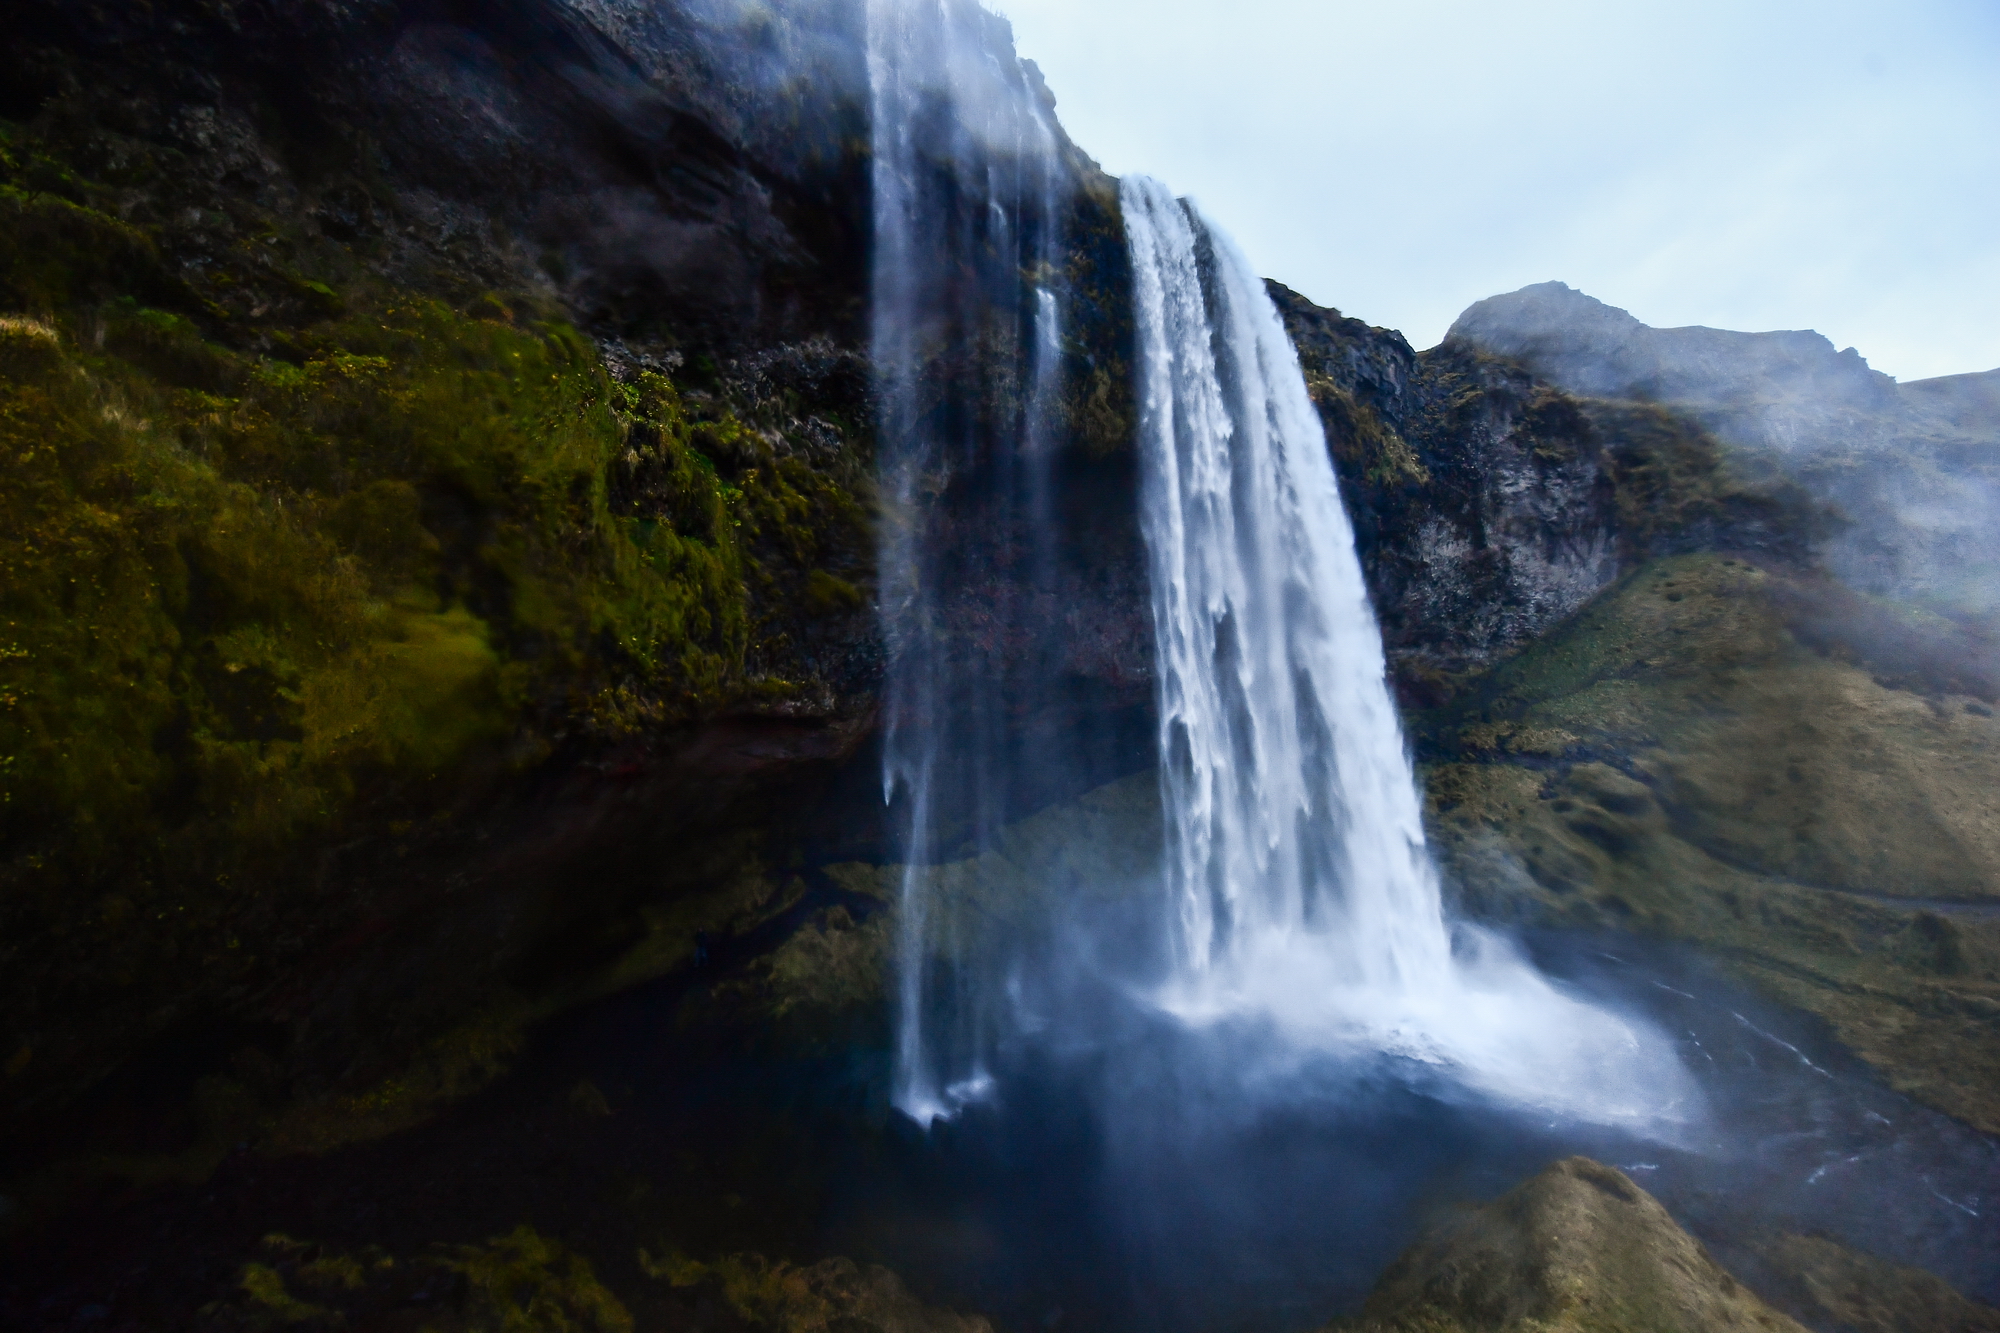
x=966, y=345
x=1299, y=892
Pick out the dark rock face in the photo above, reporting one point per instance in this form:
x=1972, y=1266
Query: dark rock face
x=1481, y=511
x=511, y=141
x=1787, y=390
x=384, y=268
x=1913, y=469
x=1490, y=504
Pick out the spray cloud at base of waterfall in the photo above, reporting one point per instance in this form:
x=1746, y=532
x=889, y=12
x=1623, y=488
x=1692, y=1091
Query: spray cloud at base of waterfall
x=1300, y=892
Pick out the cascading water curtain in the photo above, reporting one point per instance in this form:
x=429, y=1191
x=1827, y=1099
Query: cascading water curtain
x=965, y=180
x=1299, y=892
x=1293, y=805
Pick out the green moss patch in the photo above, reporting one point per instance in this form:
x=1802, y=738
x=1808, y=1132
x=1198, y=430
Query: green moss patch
x=1578, y=1248
x=832, y=1294
x=292, y=557
x=1678, y=760
x=522, y=1282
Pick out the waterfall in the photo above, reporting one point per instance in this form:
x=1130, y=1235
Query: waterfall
x=1298, y=888
x=966, y=347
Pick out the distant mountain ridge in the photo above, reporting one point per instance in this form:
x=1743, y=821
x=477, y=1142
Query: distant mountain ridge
x=1970, y=402
x=1592, y=348
x=1913, y=468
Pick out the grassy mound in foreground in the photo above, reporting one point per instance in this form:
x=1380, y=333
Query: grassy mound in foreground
x=1578, y=1247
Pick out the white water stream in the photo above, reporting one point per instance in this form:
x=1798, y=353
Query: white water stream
x=964, y=175
x=1302, y=895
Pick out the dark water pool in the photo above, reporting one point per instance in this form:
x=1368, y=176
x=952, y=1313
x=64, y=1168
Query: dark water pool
x=1122, y=1175
x=1130, y=1179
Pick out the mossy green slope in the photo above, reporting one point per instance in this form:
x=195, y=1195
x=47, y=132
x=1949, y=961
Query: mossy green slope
x=1848, y=1292
x=291, y=554
x=1682, y=759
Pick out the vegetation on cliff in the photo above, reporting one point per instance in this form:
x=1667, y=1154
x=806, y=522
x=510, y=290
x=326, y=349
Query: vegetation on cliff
x=1580, y=1246
x=1490, y=505
x=294, y=553
x=527, y=1282
x=313, y=537
x=1726, y=751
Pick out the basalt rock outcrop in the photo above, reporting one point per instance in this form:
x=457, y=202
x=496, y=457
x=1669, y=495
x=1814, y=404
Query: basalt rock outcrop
x=1490, y=504
x=1912, y=469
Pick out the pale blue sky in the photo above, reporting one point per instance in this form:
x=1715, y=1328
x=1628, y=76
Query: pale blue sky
x=1746, y=165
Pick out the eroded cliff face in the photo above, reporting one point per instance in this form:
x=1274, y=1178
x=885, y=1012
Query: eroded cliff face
x=1909, y=468
x=439, y=578
x=1489, y=504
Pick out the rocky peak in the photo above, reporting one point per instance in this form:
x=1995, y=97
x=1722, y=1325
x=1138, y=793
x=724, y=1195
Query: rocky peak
x=1913, y=470
x=1787, y=388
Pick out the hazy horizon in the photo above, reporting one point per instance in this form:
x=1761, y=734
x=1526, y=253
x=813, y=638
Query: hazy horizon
x=1834, y=167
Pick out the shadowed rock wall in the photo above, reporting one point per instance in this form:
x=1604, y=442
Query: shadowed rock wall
x=1912, y=470
x=1490, y=504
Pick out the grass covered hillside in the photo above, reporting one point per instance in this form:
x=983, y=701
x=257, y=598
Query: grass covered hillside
x=1747, y=756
